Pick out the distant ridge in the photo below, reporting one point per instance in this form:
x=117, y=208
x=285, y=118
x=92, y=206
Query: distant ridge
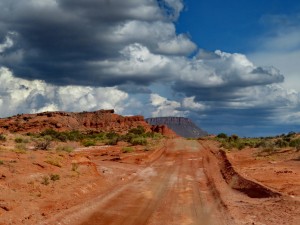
x=180, y=125
x=97, y=121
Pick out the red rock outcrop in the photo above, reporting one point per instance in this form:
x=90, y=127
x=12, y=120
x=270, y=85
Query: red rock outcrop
x=164, y=130
x=98, y=121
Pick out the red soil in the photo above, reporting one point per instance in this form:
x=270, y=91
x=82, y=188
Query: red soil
x=178, y=182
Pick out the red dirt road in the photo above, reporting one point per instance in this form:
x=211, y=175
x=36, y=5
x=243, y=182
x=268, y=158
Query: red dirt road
x=179, y=182
x=172, y=190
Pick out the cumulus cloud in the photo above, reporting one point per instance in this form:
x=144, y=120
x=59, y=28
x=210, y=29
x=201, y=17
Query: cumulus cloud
x=280, y=46
x=67, y=42
x=189, y=103
x=109, y=43
x=183, y=107
x=165, y=107
x=79, y=55
x=18, y=95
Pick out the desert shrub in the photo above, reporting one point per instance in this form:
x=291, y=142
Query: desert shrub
x=222, y=135
x=156, y=136
x=113, y=141
x=53, y=162
x=55, y=135
x=49, y=132
x=281, y=143
x=2, y=137
x=45, y=180
x=112, y=135
x=65, y=148
x=267, y=146
x=127, y=137
x=20, y=148
x=138, y=130
x=21, y=140
x=127, y=149
x=239, y=143
x=88, y=142
x=234, y=137
x=100, y=136
x=138, y=141
x=74, y=135
x=291, y=134
x=43, y=143
x=295, y=143
x=287, y=139
x=1, y=162
x=62, y=137
x=54, y=177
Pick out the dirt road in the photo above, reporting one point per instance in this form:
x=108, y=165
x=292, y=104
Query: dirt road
x=189, y=183
x=172, y=190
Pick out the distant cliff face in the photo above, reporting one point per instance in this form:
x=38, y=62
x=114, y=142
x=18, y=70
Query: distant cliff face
x=182, y=126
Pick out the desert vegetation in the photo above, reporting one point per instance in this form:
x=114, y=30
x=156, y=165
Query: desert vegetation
x=51, y=139
x=135, y=136
x=267, y=145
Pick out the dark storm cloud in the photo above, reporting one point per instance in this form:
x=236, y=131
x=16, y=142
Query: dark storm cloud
x=62, y=41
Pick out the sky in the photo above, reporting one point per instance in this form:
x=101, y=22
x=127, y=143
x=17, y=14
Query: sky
x=230, y=66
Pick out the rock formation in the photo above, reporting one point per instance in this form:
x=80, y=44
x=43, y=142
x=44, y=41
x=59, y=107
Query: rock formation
x=98, y=121
x=181, y=126
x=164, y=130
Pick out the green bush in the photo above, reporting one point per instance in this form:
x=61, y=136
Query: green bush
x=295, y=143
x=112, y=135
x=127, y=137
x=54, y=177
x=100, y=136
x=65, y=148
x=113, y=141
x=222, y=135
x=1, y=162
x=127, y=149
x=155, y=136
x=74, y=135
x=88, y=142
x=138, y=141
x=138, y=130
x=2, y=137
x=63, y=136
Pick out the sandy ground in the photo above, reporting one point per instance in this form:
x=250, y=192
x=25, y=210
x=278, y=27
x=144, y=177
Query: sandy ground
x=181, y=181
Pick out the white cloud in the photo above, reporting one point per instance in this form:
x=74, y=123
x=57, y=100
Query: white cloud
x=179, y=45
x=8, y=42
x=271, y=96
x=165, y=107
x=189, y=103
x=158, y=36
x=24, y=96
x=280, y=46
x=287, y=62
